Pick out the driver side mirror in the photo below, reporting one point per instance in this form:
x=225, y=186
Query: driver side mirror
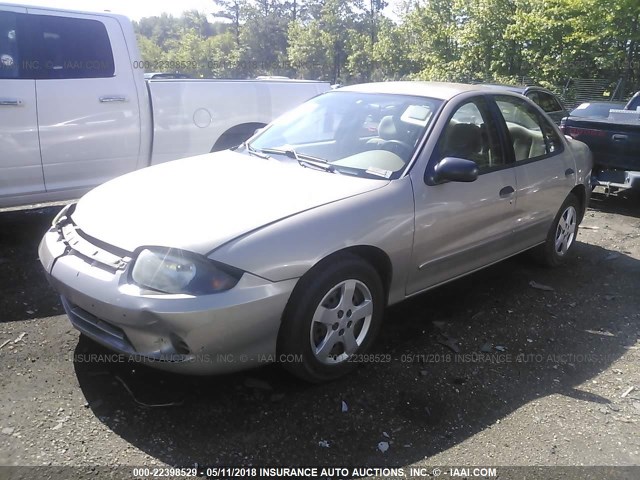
x=453, y=169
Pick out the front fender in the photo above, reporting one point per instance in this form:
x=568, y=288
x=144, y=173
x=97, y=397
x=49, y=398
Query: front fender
x=383, y=218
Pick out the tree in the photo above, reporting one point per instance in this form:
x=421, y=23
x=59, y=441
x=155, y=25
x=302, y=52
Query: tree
x=265, y=38
x=394, y=51
x=233, y=10
x=309, y=50
x=456, y=40
x=484, y=51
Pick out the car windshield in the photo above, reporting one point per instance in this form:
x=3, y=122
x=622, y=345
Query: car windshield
x=362, y=134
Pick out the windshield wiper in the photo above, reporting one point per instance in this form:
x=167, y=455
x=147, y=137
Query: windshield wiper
x=252, y=151
x=304, y=160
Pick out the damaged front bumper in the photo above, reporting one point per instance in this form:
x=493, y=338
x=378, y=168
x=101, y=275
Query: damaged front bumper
x=206, y=334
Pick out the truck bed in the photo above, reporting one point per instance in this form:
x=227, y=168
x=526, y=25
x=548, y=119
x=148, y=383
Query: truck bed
x=190, y=115
x=615, y=143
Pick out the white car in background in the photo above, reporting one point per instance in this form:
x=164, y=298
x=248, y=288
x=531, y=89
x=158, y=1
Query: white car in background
x=75, y=110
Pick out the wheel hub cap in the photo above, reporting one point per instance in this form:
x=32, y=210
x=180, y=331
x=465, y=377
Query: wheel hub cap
x=566, y=231
x=341, y=322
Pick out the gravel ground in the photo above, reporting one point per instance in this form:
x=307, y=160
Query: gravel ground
x=540, y=377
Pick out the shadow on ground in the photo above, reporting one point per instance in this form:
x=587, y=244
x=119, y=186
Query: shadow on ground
x=424, y=400
x=625, y=203
x=25, y=291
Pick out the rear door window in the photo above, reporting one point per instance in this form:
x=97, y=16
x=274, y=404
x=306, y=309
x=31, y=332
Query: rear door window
x=532, y=135
x=64, y=48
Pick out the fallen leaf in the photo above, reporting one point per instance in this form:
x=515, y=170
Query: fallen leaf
x=627, y=392
x=450, y=343
x=540, y=286
x=486, y=348
x=20, y=337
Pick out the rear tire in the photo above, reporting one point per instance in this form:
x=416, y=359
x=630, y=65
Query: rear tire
x=332, y=318
x=561, y=239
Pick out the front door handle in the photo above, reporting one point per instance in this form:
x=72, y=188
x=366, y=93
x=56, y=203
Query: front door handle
x=112, y=99
x=568, y=172
x=10, y=102
x=506, y=191
x=618, y=137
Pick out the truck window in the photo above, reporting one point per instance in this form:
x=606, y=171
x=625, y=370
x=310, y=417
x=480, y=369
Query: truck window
x=9, y=60
x=63, y=48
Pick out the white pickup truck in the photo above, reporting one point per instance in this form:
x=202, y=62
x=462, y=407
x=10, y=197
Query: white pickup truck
x=75, y=110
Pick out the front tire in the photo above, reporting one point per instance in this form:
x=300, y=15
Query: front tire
x=332, y=317
x=559, y=245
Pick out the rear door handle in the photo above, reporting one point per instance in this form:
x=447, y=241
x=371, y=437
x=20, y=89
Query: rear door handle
x=112, y=99
x=506, y=191
x=10, y=102
x=619, y=137
x=568, y=172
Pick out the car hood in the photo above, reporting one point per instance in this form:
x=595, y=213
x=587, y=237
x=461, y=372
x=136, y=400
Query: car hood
x=199, y=203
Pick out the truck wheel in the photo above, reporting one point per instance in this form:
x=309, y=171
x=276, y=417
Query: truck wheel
x=332, y=318
x=235, y=136
x=562, y=235
x=229, y=141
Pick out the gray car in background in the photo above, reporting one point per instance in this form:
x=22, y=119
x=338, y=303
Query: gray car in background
x=545, y=99
x=290, y=247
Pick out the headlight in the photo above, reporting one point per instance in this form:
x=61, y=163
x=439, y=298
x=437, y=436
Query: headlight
x=171, y=270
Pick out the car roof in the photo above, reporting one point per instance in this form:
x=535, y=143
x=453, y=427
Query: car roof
x=511, y=88
x=521, y=89
x=438, y=90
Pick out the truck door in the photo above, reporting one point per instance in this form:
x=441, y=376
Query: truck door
x=20, y=163
x=89, y=119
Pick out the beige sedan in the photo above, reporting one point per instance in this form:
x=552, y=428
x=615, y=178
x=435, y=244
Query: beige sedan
x=289, y=247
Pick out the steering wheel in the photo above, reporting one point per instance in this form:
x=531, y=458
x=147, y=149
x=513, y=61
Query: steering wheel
x=398, y=147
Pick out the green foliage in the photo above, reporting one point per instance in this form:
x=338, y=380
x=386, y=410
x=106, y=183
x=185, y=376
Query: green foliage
x=310, y=51
x=348, y=41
